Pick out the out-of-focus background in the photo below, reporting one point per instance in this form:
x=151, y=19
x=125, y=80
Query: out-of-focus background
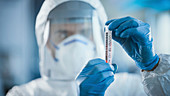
x=19, y=60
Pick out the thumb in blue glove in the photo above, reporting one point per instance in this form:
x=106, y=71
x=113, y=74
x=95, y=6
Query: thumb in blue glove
x=99, y=75
x=135, y=37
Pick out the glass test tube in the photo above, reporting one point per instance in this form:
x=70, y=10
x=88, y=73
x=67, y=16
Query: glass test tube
x=108, y=45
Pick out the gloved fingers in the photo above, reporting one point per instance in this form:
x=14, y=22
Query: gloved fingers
x=117, y=39
x=85, y=71
x=97, y=81
x=102, y=67
x=127, y=33
x=98, y=87
x=91, y=65
x=133, y=23
x=94, y=62
x=106, y=82
x=117, y=22
x=143, y=35
x=115, y=68
x=140, y=34
x=97, y=78
x=108, y=22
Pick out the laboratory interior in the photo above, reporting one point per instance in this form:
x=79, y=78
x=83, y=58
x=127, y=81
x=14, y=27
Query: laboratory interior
x=19, y=53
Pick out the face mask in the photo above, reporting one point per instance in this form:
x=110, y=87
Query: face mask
x=71, y=56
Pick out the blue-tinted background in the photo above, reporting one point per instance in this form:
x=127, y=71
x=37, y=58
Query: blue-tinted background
x=18, y=48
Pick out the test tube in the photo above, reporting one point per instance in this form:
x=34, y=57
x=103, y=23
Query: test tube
x=108, y=45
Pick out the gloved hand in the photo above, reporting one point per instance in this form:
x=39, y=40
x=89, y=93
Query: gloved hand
x=98, y=76
x=135, y=37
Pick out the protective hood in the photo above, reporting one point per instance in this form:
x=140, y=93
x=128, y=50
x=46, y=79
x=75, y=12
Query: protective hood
x=99, y=19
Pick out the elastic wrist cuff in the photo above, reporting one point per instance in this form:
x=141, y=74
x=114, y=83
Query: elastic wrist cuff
x=150, y=64
x=152, y=68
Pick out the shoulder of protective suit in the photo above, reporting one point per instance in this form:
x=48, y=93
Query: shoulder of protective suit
x=23, y=90
x=157, y=82
x=15, y=91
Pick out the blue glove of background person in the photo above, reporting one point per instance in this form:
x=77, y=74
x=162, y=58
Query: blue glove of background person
x=135, y=37
x=99, y=75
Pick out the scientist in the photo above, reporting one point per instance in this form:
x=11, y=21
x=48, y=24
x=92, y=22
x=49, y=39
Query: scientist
x=69, y=34
x=135, y=38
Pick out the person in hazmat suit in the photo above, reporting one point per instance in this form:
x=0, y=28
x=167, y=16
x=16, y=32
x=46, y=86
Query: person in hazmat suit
x=69, y=34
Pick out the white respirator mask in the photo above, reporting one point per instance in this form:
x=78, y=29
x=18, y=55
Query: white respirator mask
x=71, y=55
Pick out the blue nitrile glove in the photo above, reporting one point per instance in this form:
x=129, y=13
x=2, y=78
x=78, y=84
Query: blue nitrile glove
x=135, y=37
x=99, y=75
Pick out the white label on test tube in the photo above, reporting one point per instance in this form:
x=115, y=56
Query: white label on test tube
x=108, y=45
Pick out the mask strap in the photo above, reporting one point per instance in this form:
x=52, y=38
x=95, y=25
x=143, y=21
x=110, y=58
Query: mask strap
x=53, y=44
x=46, y=31
x=76, y=40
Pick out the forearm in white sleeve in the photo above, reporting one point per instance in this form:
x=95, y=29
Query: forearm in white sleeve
x=157, y=82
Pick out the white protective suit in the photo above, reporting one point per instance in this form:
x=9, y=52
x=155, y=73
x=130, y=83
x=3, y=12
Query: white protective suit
x=60, y=79
x=155, y=83
x=60, y=85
